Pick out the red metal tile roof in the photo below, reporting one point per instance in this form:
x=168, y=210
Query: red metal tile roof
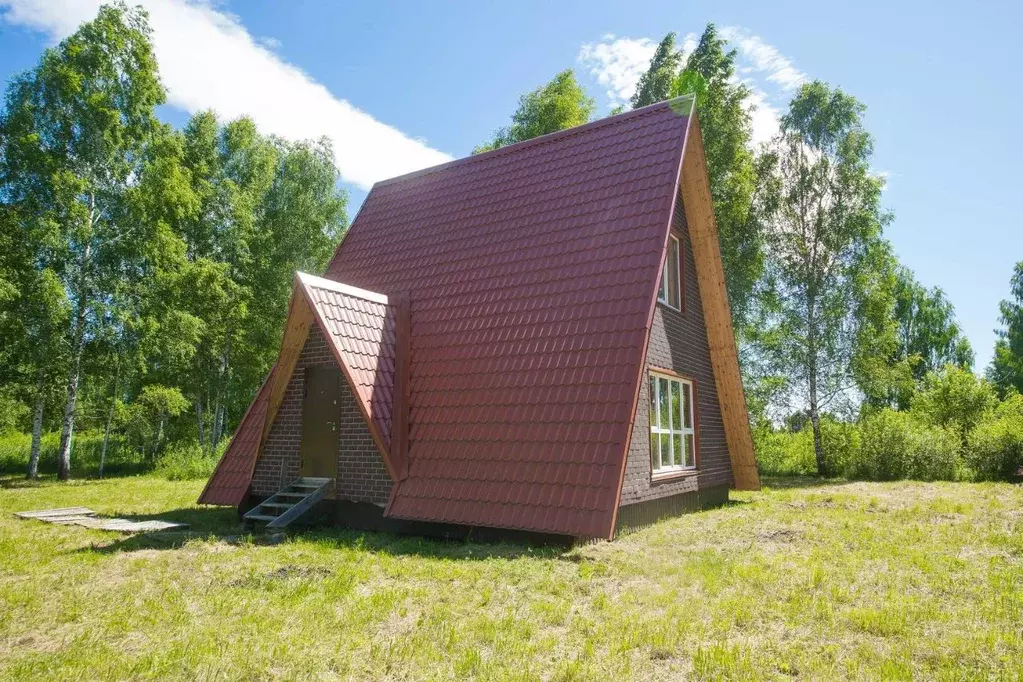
x=229, y=483
x=532, y=272
x=360, y=325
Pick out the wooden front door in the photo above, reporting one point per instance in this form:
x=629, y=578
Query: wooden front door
x=320, y=412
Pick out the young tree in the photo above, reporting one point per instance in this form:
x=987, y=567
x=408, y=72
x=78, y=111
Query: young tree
x=956, y=398
x=655, y=85
x=927, y=333
x=824, y=242
x=75, y=127
x=561, y=103
x=33, y=308
x=1006, y=369
x=266, y=208
x=740, y=179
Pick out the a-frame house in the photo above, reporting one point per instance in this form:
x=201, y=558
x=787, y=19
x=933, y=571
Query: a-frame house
x=537, y=338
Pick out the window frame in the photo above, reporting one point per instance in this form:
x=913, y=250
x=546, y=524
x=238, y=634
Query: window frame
x=691, y=433
x=664, y=285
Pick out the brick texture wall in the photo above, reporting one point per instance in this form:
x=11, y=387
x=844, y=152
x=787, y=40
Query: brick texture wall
x=678, y=341
x=361, y=475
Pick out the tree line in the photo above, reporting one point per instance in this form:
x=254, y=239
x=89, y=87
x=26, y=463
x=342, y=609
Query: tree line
x=831, y=327
x=145, y=271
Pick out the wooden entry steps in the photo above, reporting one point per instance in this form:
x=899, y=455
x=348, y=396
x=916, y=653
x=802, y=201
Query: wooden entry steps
x=290, y=503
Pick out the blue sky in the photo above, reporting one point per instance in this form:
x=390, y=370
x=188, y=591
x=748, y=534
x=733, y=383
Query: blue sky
x=410, y=84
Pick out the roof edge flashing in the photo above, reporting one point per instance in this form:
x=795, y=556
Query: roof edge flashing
x=676, y=104
x=339, y=287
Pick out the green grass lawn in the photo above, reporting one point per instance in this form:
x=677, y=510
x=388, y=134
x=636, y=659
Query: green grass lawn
x=857, y=580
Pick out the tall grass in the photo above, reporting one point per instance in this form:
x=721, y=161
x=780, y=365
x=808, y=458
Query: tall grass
x=85, y=454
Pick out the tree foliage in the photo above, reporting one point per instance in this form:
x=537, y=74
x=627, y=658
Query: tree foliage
x=74, y=131
x=656, y=84
x=826, y=251
x=561, y=103
x=139, y=263
x=741, y=180
x=1006, y=370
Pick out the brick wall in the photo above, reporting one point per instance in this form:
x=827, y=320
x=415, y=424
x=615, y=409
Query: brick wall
x=678, y=341
x=361, y=474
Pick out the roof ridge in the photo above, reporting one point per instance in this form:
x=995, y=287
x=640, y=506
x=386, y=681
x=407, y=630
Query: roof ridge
x=340, y=287
x=544, y=139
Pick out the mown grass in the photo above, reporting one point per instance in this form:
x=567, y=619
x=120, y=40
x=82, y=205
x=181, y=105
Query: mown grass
x=801, y=580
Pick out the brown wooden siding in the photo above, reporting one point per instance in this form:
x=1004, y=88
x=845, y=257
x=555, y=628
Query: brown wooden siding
x=361, y=476
x=650, y=511
x=678, y=342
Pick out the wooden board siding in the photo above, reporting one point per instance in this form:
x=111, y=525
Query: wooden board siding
x=361, y=475
x=650, y=511
x=678, y=342
x=718, y=317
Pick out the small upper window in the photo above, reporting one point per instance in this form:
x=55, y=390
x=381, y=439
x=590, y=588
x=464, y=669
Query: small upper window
x=672, y=424
x=670, y=291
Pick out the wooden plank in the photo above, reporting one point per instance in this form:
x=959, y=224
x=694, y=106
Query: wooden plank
x=87, y=518
x=66, y=511
x=717, y=313
x=296, y=330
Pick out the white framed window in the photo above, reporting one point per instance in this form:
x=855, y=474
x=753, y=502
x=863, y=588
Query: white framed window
x=670, y=291
x=672, y=424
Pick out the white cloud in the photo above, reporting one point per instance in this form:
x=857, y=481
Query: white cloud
x=764, y=116
x=209, y=61
x=617, y=64
x=269, y=42
x=763, y=58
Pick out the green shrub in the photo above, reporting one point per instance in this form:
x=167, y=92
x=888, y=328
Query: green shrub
x=895, y=445
x=1012, y=406
x=85, y=453
x=14, y=414
x=187, y=461
x=840, y=441
x=954, y=398
x=995, y=448
x=783, y=453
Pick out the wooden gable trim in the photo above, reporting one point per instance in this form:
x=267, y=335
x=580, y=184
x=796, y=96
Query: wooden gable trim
x=710, y=274
x=296, y=331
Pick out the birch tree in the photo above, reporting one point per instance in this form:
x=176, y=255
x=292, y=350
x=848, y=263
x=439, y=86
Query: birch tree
x=825, y=240
x=75, y=127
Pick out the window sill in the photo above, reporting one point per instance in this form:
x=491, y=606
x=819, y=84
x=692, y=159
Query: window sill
x=668, y=306
x=657, y=477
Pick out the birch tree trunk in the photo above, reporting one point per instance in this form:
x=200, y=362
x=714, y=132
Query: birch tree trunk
x=220, y=409
x=67, y=424
x=110, y=418
x=37, y=429
x=198, y=420
x=812, y=375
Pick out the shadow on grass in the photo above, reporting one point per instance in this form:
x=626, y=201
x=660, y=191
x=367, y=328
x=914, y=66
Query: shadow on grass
x=10, y=474
x=222, y=524
x=788, y=482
